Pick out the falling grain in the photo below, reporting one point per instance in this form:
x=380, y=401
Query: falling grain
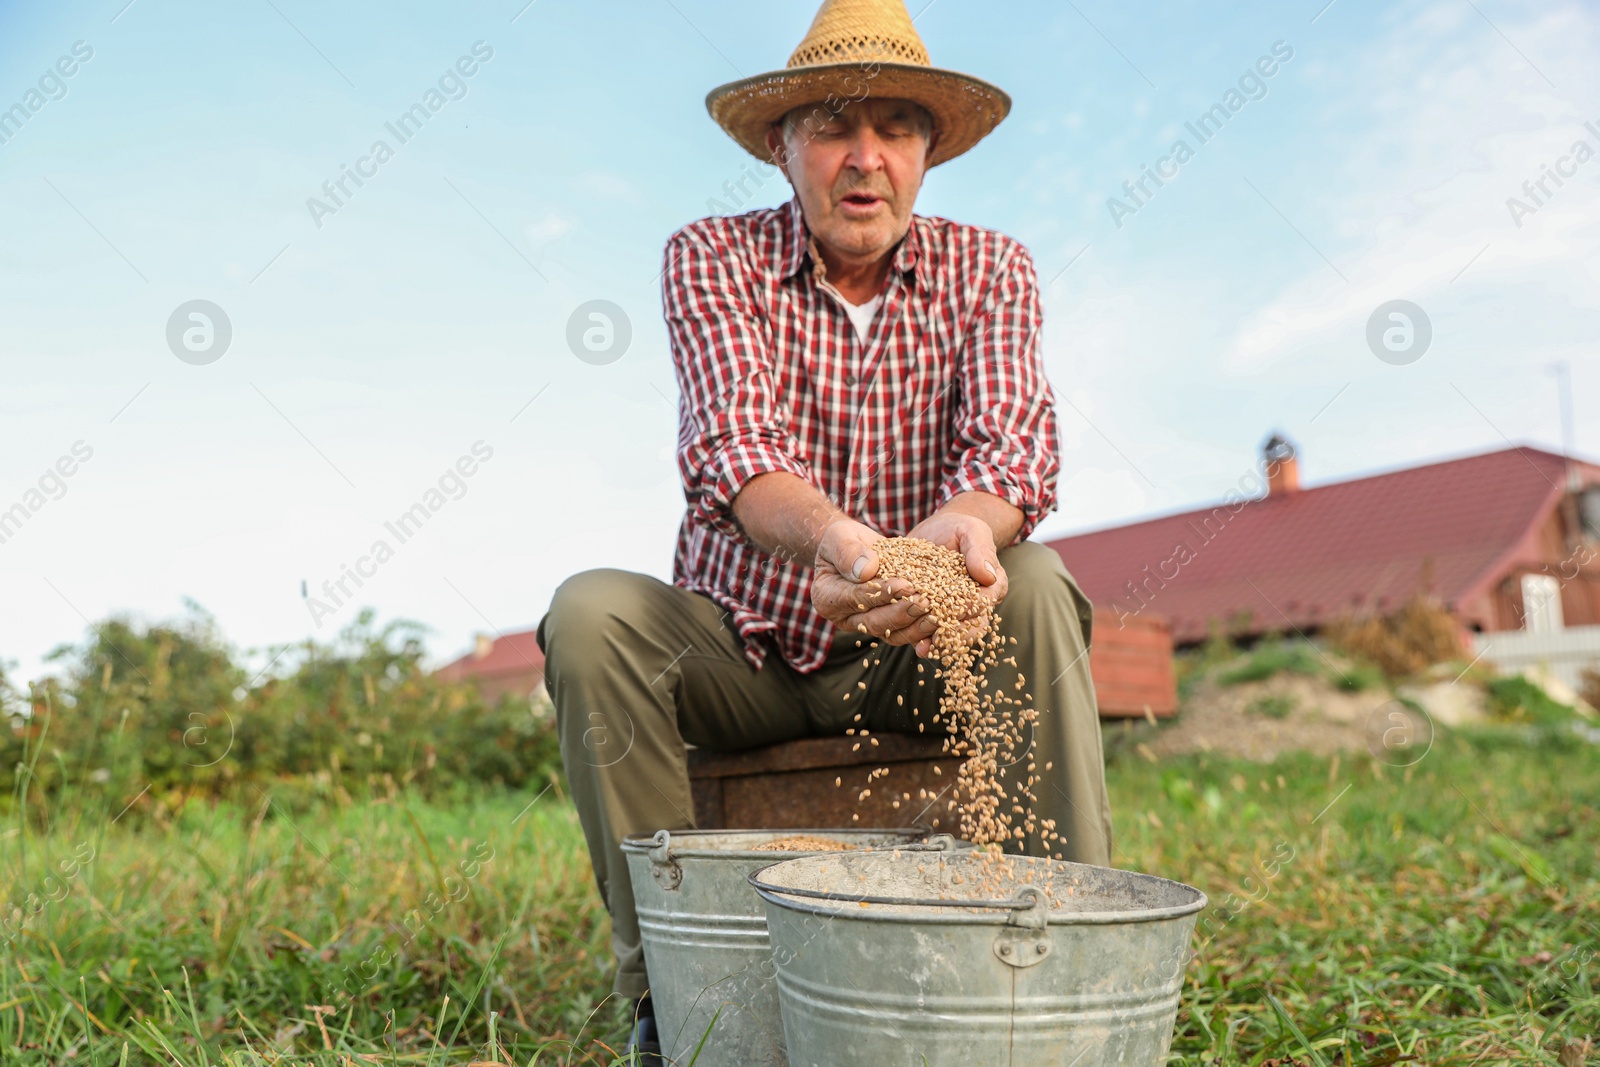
x=988, y=729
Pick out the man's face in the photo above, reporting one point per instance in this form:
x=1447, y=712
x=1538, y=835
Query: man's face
x=856, y=173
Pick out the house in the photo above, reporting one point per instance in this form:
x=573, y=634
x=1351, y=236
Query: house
x=1506, y=540
x=510, y=663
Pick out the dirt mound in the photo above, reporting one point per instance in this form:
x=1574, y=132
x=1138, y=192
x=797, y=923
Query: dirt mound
x=1263, y=719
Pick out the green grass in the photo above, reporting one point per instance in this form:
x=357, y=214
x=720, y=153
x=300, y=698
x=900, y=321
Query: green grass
x=1271, y=657
x=1273, y=707
x=1444, y=913
x=1276, y=657
x=216, y=926
x=1358, y=677
x=1515, y=699
x=1447, y=912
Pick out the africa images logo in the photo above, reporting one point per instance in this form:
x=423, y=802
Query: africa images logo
x=1564, y=168
x=598, y=332
x=1252, y=85
x=52, y=86
x=451, y=86
x=1399, y=332
x=199, y=332
x=452, y=484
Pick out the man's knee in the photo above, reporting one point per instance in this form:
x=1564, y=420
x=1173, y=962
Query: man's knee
x=1040, y=583
x=1032, y=564
x=589, y=604
x=586, y=613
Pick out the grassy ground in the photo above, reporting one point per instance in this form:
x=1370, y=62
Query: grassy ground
x=1447, y=912
x=223, y=927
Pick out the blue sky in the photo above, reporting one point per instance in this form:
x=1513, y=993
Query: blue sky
x=373, y=351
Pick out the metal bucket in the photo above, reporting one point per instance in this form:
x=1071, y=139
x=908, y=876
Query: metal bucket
x=937, y=960
x=705, y=935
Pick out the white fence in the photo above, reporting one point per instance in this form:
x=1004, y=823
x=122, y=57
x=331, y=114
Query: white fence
x=1566, y=653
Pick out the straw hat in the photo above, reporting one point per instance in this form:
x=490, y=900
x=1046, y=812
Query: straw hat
x=856, y=47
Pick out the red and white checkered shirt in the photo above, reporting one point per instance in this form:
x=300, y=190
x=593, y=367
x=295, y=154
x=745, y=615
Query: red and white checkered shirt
x=946, y=395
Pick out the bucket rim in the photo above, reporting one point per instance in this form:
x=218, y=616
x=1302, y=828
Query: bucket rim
x=644, y=842
x=996, y=912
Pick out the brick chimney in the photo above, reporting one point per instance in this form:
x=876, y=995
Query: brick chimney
x=482, y=645
x=1282, y=464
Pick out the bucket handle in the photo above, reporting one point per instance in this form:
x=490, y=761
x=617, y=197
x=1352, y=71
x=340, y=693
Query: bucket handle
x=1032, y=904
x=930, y=843
x=1036, y=914
x=664, y=866
x=1025, y=940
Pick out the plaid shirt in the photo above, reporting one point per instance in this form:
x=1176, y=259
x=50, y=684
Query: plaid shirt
x=947, y=395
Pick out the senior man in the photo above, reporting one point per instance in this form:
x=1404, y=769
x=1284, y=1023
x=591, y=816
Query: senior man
x=849, y=371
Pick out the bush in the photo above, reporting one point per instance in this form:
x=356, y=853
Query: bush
x=1359, y=676
x=1590, y=691
x=1275, y=657
x=1401, y=645
x=165, y=706
x=1516, y=699
x=1192, y=665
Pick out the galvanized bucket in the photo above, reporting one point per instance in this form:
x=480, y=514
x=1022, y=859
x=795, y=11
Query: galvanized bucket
x=905, y=960
x=705, y=935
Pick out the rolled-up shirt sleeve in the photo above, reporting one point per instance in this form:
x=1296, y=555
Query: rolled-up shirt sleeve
x=1006, y=440
x=731, y=426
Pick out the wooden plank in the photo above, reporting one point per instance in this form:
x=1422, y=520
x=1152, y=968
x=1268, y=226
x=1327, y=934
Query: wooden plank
x=813, y=753
x=709, y=810
x=793, y=800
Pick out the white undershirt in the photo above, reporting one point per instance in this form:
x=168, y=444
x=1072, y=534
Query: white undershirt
x=861, y=315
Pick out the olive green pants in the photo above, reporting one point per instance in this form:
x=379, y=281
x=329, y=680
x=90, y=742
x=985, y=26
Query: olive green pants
x=638, y=668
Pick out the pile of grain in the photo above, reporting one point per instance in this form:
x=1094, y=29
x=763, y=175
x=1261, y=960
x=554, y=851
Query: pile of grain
x=803, y=843
x=989, y=730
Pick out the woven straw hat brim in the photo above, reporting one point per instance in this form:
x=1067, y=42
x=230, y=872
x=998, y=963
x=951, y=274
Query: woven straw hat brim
x=965, y=109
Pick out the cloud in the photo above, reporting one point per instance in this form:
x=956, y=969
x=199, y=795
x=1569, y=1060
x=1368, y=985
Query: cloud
x=607, y=185
x=547, y=229
x=1420, y=209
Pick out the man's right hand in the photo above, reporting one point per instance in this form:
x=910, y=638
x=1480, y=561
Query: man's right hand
x=846, y=591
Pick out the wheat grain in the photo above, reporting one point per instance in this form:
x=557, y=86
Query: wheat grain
x=988, y=729
x=803, y=843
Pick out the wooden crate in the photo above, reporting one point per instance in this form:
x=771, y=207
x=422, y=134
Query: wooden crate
x=791, y=786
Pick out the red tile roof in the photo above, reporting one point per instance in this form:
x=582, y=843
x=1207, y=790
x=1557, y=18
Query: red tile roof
x=1304, y=558
x=516, y=653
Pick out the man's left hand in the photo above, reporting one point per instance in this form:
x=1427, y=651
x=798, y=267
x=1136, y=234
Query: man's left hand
x=974, y=539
